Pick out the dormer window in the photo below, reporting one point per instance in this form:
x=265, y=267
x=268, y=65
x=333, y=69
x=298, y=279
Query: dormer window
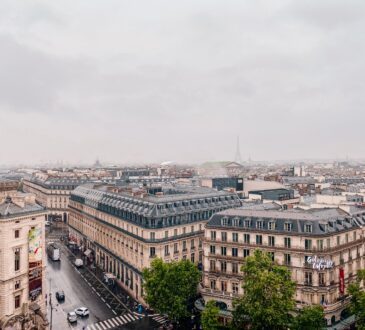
x=247, y=223
x=308, y=228
x=224, y=221
x=288, y=226
x=272, y=225
x=236, y=222
x=259, y=224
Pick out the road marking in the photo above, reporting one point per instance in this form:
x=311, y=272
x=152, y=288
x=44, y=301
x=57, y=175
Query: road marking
x=108, y=305
x=88, y=283
x=109, y=323
x=113, y=322
x=98, y=294
x=102, y=325
x=103, y=299
x=121, y=320
x=124, y=320
x=96, y=326
x=117, y=321
x=91, y=327
x=114, y=312
x=93, y=288
x=128, y=317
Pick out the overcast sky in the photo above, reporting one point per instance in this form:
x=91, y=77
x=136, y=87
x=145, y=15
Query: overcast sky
x=150, y=81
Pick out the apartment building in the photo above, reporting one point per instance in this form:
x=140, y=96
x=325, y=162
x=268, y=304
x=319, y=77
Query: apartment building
x=52, y=193
x=323, y=249
x=22, y=262
x=122, y=231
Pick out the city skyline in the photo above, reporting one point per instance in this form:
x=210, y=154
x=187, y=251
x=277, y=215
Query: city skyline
x=179, y=81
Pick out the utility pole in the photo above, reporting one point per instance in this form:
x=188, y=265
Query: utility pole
x=50, y=304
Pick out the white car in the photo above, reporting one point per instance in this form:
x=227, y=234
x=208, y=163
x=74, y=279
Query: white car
x=82, y=311
x=72, y=317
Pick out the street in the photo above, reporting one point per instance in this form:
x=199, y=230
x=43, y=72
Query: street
x=83, y=289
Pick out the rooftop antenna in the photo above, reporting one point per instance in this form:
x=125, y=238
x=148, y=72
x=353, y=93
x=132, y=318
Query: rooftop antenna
x=238, y=158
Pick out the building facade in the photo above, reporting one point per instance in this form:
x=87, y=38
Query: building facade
x=53, y=194
x=22, y=262
x=323, y=249
x=123, y=232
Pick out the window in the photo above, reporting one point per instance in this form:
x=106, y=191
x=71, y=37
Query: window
x=224, y=236
x=235, y=288
x=223, y=251
x=246, y=253
x=235, y=237
x=308, y=228
x=321, y=279
x=259, y=224
x=271, y=255
x=235, y=268
x=347, y=238
x=184, y=230
x=308, y=278
x=16, y=233
x=152, y=236
x=338, y=240
x=234, y=252
x=259, y=239
x=17, y=259
x=320, y=244
x=17, y=285
x=212, y=265
x=247, y=224
x=213, y=284
x=328, y=243
x=271, y=240
x=166, y=250
x=213, y=235
x=192, y=244
x=308, y=244
x=17, y=302
x=200, y=243
x=223, y=266
x=192, y=229
x=152, y=252
x=272, y=225
x=287, y=259
x=212, y=249
x=176, y=250
x=288, y=226
x=166, y=234
x=192, y=257
x=246, y=238
x=175, y=232
x=224, y=286
x=287, y=242
x=184, y=245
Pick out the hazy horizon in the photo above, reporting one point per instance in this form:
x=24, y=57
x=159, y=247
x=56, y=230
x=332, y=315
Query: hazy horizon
x=146, y=82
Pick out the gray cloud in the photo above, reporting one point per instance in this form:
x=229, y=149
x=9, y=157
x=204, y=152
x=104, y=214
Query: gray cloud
x=150, y=81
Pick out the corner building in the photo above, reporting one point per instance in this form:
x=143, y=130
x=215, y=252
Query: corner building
x=324, y=249
x=123, y=231
x=22, y=262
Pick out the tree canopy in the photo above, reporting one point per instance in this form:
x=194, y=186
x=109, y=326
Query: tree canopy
x=310, y=318
x=210, y=315
x=268, y=295
x=169, y=286
x=357, y=305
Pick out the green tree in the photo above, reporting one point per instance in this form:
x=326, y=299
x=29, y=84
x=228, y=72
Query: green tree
x=268, y=295
x=310, y=318
x=209, y=317
x=168, y=287
x=357, y=304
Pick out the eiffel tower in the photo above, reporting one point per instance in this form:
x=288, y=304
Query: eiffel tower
x=238, y=158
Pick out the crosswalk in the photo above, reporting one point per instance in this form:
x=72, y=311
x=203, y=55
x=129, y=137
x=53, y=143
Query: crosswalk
x=113, y=322
x=160, y=319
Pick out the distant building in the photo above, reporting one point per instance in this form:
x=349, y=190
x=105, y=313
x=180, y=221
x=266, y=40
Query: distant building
x=23, y=261
x=222, y=183
x=52, y=193
x=272, y=194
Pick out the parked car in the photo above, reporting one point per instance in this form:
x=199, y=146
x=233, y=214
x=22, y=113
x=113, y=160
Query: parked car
x=78, y=263
x=60, y=295
x=82, y=311
x=71, y=317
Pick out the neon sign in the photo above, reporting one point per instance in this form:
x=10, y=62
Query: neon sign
x=320, y=263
